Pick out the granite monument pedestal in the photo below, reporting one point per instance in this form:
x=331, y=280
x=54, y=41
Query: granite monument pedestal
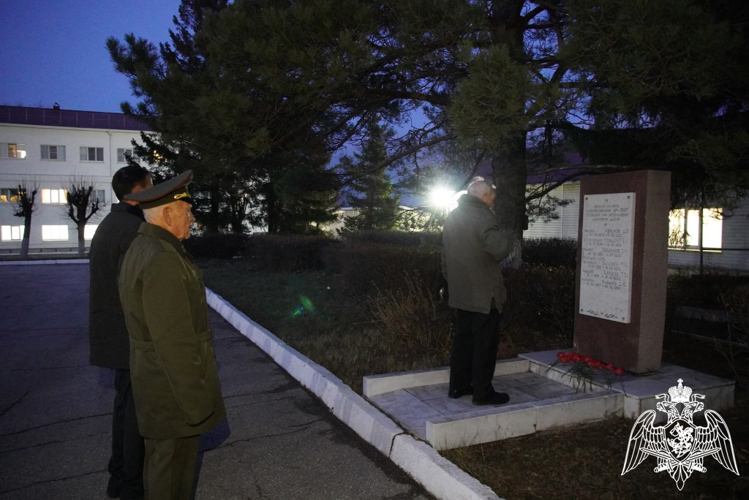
x=620, y=287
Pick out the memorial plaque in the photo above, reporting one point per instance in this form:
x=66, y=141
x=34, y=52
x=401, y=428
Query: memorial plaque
x=606, y=258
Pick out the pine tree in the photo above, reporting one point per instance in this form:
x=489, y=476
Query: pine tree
x=668, y=87
x=219, y=111
x=376, y=205
x=257, y=82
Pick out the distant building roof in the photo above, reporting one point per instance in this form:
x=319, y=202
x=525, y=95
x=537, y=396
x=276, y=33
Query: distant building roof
x=561, y=174
x=69, y=118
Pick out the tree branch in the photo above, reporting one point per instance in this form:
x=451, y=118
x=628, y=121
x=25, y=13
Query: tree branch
x=399, y=156
x=550, y=187
x=475, y=169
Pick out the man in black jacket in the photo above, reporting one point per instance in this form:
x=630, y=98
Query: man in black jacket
x=110, y=346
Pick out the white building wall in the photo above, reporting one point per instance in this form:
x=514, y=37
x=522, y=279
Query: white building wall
x=566, y=225
x=56, y=174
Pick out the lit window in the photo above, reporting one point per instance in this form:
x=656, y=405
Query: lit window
x=8, y=195
x=53, y=152
x=122, y=154
x=92, y=154
x=11, y=233
x=58, y=196
x=54, y=233
x=12, y=150
x=684, y=228
x=89, y=230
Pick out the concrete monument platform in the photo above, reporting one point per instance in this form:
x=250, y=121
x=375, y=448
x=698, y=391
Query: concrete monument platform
x=543, y=395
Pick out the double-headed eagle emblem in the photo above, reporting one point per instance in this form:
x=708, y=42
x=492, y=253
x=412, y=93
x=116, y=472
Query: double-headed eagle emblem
x=679, y=445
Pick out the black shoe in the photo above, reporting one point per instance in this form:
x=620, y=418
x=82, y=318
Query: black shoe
x=498, y=398
x=113, y=488
x=455, y=393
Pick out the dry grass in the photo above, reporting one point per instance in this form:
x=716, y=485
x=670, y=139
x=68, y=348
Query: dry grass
x=585, y=462
x=329, y=322
x=412, y=322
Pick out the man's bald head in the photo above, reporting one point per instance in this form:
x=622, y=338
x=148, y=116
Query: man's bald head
x=175, y=217
x=484, y=191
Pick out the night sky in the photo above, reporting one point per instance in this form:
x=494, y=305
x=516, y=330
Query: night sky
x=54, y=50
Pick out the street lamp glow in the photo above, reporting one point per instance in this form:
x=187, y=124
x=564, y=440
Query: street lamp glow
x=442, y=197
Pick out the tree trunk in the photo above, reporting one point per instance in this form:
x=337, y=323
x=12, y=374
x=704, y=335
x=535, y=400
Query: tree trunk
x=272, y=203
x=26, y=237
x=81, y=240
x=237, y=221
x=508, y=167
x=213, y=220
x=510, y=172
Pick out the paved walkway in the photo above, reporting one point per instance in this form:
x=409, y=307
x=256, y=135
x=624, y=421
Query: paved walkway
x=55, y=410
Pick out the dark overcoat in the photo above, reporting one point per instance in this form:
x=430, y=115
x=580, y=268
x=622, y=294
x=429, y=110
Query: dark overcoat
x=472, y=248
x=109, y=345
x=172, y=364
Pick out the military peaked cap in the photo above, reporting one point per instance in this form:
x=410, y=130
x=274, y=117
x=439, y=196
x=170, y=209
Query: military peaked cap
x=174, y=189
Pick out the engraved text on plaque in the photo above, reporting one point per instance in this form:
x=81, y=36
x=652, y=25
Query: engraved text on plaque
x=606, y=267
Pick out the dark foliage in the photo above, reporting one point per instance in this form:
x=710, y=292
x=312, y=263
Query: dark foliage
x=290, y=253
x=218, y=245
x=368, y=267
x=706, y=291
x=396, y=238
x=550, y=252
x=541, y=299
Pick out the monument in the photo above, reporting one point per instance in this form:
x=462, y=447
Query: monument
x=620, y=319
x=620, y=289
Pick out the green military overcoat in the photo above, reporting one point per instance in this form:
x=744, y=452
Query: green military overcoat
x=172, y=365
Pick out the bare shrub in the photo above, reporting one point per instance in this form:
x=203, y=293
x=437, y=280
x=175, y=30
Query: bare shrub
x=415, y=325
x=736, y=346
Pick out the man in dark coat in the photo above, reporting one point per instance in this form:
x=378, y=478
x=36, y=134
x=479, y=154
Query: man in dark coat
x=173, y=366
x=108, y=337
x=472, y=248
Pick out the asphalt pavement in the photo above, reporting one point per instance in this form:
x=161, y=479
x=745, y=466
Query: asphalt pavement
x=279, y=441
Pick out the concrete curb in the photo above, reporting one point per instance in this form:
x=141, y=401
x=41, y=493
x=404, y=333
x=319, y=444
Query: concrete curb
x=439, y=476
x=41, y=262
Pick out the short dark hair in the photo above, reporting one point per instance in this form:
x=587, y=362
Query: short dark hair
x=126, y=178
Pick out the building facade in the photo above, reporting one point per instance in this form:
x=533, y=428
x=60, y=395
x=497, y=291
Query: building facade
x=50, y=149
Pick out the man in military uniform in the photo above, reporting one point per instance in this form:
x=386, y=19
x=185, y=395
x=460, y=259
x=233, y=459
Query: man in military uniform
x=472, y=248
x=173, y=367
x=108, y=339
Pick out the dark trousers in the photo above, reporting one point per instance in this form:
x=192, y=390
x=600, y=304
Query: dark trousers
x=126, y=463
x=170, y=467
x=474, y=352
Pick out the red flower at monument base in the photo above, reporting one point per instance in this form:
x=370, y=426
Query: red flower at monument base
x=567, y=357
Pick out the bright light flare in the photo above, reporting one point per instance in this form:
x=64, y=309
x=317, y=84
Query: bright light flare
x=442, y=197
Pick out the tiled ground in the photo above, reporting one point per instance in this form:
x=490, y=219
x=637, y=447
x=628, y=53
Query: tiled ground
x=413, y=407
